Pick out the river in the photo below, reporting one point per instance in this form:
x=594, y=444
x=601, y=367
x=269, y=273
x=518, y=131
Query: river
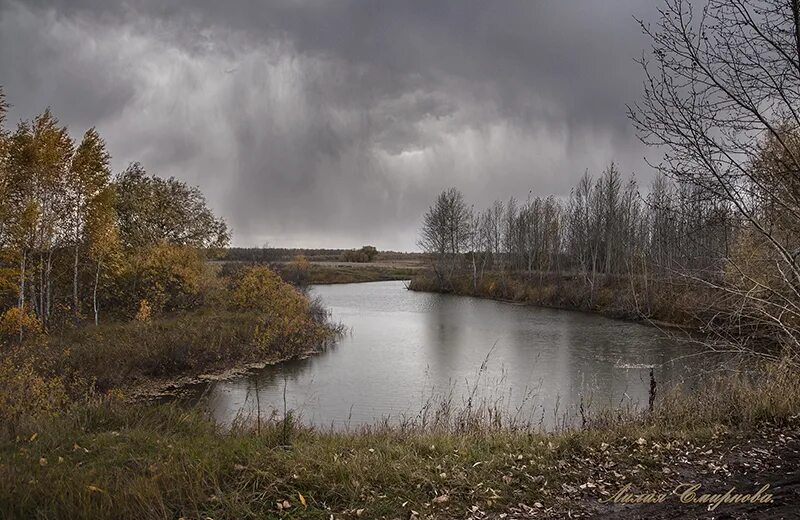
x=405, y=350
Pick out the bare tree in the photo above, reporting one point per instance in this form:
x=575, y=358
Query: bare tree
x=445, y=233
x=722, y=95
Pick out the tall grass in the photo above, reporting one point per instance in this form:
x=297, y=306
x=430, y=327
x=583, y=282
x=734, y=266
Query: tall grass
x=108, y=460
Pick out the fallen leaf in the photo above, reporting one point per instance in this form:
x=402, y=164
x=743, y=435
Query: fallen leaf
x=94, y=489
x=441, y=499
x=302, y=499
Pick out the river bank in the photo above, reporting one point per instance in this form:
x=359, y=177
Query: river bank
x=409, y=350
x=253, y=318
x=107, y=459
x=336, y=272
x=663, y=303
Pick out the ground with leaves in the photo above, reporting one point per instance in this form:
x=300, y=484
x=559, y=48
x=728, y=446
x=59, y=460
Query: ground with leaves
x=744, y=462
x=113, y=461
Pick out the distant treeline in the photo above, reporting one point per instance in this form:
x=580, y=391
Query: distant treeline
x=682, y=252
x=279, y=254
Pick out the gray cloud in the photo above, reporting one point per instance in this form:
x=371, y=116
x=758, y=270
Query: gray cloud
x=336, y=123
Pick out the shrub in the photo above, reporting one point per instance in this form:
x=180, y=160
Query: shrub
x=25, y=391
x=144, y=312
x=288, y=323
x=363, y=255
x=297, y=271
x=169, y=276
x=15, y=322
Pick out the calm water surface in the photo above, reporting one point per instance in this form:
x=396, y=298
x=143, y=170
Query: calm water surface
x=405, y=349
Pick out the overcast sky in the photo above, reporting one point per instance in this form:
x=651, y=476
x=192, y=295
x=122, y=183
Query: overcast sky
x=335, y=123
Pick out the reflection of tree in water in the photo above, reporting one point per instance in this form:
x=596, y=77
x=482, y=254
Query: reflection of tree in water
x=271, y=381
x=546, y=364
x=445, y=324
x=256, y=387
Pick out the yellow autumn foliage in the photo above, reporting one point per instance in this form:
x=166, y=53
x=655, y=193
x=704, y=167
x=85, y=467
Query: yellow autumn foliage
x=297, y=271
x=168, y=276
x=15, y=321
x=144, y=312
x=288, y=325
x=25, y=391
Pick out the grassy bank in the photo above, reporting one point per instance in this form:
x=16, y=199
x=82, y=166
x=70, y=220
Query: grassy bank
x=325, y=272
x=255, y=317
x=116, y=355
x=615, y=296
x=342, y=272
x=108, y=460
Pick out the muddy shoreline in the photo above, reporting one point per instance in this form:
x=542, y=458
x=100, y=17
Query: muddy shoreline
x=155, y=390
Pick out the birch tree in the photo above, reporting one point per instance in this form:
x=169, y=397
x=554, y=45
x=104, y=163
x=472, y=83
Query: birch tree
x=89, y=177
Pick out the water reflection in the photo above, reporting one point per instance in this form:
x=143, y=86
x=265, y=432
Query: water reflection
x=405, y=347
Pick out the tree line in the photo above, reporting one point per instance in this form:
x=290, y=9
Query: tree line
x=605, y=226
x=77, y=241
x=721, y=100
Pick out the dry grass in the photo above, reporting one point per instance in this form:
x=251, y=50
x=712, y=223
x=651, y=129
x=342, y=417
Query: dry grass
x=345, y=272
x=104, y=460
x=616, y=296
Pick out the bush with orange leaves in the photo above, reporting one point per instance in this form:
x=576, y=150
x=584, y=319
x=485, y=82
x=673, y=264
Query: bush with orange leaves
x=17, y=325
x=289, y=324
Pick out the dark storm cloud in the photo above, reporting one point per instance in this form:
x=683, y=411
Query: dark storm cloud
x=335, y=123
